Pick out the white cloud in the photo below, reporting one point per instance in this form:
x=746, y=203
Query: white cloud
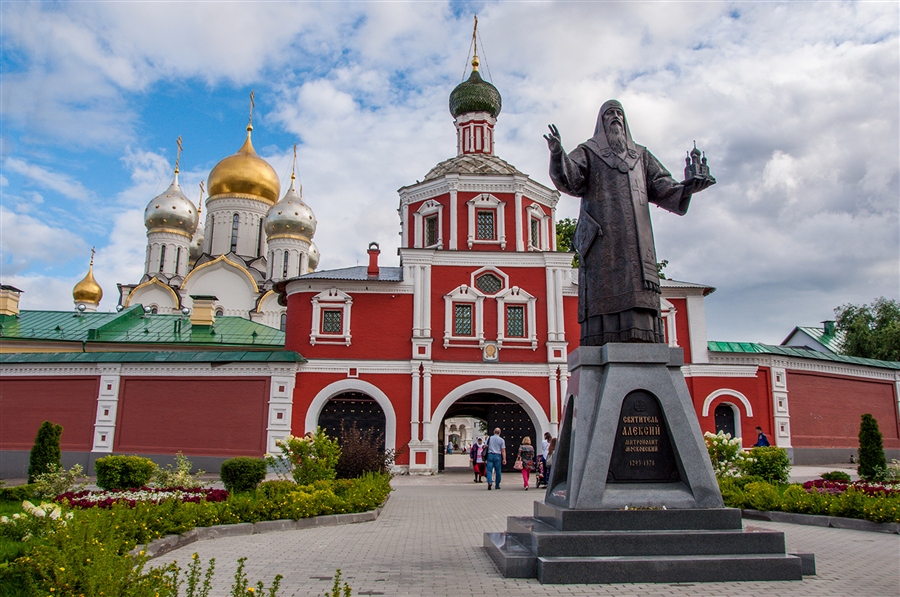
x=25, y=240
x=61, y=183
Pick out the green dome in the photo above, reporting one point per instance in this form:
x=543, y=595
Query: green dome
x=475, y=95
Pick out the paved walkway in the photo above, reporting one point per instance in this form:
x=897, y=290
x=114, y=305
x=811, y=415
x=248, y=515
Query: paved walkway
x=428, y=542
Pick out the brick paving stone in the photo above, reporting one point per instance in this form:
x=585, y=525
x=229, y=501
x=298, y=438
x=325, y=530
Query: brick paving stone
x=428, y=540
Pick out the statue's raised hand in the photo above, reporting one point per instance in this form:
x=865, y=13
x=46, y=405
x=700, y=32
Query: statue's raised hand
x=554, y=140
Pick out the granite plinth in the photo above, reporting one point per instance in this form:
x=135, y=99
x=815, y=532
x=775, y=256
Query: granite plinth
x=568, y=519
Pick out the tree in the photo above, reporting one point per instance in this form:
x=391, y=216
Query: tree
x=872, y=331
x=871, y=449
x=565, y=237
x=46, y=452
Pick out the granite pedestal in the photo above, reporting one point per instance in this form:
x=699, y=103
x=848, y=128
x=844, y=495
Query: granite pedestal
x=632, y=495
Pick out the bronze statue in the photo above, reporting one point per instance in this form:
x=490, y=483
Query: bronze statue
x=618, y=295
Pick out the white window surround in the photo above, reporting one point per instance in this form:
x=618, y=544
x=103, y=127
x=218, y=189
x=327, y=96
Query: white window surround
x=534, y=212
x=331, y=299
x=517, y=296
x=486, y=201
x=748, y=408
x=428, y=208
x=504, y=279
x=668, y=312
x=464, y=294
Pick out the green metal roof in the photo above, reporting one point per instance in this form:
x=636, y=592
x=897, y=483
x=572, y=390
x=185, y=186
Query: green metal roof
x=790, y=351
x=132, y=326
x=475, y=95
x=228, y=356
x=833, y=342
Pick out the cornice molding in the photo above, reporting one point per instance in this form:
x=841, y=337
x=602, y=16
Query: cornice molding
x=805, y=365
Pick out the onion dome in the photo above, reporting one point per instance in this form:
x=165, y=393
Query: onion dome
x=195, y=250
x=313, y=257
x=475, y=95
x=88, y=291
x=171, y=211
x=291, y=217
x=245, y=173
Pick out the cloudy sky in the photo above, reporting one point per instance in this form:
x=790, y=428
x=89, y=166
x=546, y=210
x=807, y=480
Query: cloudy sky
x=796, y=105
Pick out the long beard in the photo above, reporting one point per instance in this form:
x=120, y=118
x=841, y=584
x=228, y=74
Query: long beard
x=615, y=136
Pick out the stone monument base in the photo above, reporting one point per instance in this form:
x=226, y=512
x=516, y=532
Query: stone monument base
x=562, y=546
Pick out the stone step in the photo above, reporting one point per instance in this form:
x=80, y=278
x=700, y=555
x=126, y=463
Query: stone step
x=668, y=569
x=513, y=560
x=565, y=519
x=542, y=539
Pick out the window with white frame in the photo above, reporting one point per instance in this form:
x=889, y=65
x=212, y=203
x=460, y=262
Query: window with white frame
x=516, y=319
x=489, y=283
x=463, y=317
x=538, y=229
x=428, y=222
x=331, y=318
x=486, y=221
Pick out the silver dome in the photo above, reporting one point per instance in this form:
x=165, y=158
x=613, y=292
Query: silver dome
x=290, y=218
x=172, y=211
x=313, y=257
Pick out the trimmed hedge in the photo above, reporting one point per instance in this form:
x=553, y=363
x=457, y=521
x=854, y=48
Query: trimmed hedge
x=124, y=472
x=243, y=473
x=769, y=463
x=18, y=493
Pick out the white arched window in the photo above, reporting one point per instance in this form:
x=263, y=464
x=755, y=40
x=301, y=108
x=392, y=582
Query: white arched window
x=235, y=224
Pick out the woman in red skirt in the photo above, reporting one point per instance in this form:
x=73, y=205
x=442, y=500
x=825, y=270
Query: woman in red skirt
x=477, y=457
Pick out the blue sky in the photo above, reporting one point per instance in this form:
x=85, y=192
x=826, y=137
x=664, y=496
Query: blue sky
x=796, y=104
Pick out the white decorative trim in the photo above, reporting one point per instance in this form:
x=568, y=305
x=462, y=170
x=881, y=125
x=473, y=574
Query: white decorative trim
x=696, y=316
x=327, y=300
x=806, y=365
x=479, y=183
x=464, y=294
x=355, y=385
x=535, y=212
x=281, y=392
x=667, y=311
x=517, y=296
x=726, y=392
x=706, y=370
x=504, y=279
x=487, y=202
x=428, y=208
x=107, y=408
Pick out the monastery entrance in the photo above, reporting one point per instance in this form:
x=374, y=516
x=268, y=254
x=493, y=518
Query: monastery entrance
x=494, y=411
x=352, y=408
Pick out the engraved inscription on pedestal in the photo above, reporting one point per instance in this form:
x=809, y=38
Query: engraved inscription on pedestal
x=642, y=452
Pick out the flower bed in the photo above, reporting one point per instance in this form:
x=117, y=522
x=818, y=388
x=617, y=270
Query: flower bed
x=839, y=487
x=130, y=497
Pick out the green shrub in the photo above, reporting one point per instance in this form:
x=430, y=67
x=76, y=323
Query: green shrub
x=762, y=496
x=243, y=473
x=871, y=448
x=307, y=459
x=725, y=453
x=796, y=499
x=124, y=472
x=58, y=480
x=180, y=475
x=771, y=463
x=836, y=476
x=46, y=451
x=17, y=493
x=275, y=489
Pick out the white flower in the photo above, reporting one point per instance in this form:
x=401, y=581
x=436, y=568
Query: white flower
x=38, y=513
x=4, y=519
x=56, y=513
x=17, y=515
x=27, y=506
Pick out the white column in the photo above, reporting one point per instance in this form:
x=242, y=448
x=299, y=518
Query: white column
x=426, y=301
x=426, y=402
x=281, y=401
x=414, y=410
x=520, y=236
x=107, y=407
x=454, y=224
x=697, y=329
x=782, y=418
x=554, y=396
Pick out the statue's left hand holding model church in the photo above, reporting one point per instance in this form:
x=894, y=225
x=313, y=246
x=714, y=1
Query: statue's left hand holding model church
x=618, y=295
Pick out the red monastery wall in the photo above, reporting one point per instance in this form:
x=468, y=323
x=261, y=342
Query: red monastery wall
x=755, y=389
x=201, y=416
x=826, y=409
x=682, y=329
x=26, y=402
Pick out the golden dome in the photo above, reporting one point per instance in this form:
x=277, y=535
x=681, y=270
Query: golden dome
x=88, y=291
x=245, y=173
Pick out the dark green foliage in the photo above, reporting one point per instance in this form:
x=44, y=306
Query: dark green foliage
x=836, y=476
x=243, y=473
x=770, y=463
x=17, y=493
x=361, y=453
x=565, y=237
x=46, y=451
x=871, y=448
x=871, y=331
x=124, y=472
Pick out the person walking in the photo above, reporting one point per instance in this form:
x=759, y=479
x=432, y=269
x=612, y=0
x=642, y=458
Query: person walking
x=525, y=460
x=496, y=457
x=477, y=455
x=541, y=467
x=549, y=464
x=761, y=439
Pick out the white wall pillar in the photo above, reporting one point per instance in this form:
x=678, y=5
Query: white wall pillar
x=782, y=418
x=107, y=407
x=281, y=401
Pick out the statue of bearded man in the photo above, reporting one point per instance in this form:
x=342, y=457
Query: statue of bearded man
x=618, y=294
